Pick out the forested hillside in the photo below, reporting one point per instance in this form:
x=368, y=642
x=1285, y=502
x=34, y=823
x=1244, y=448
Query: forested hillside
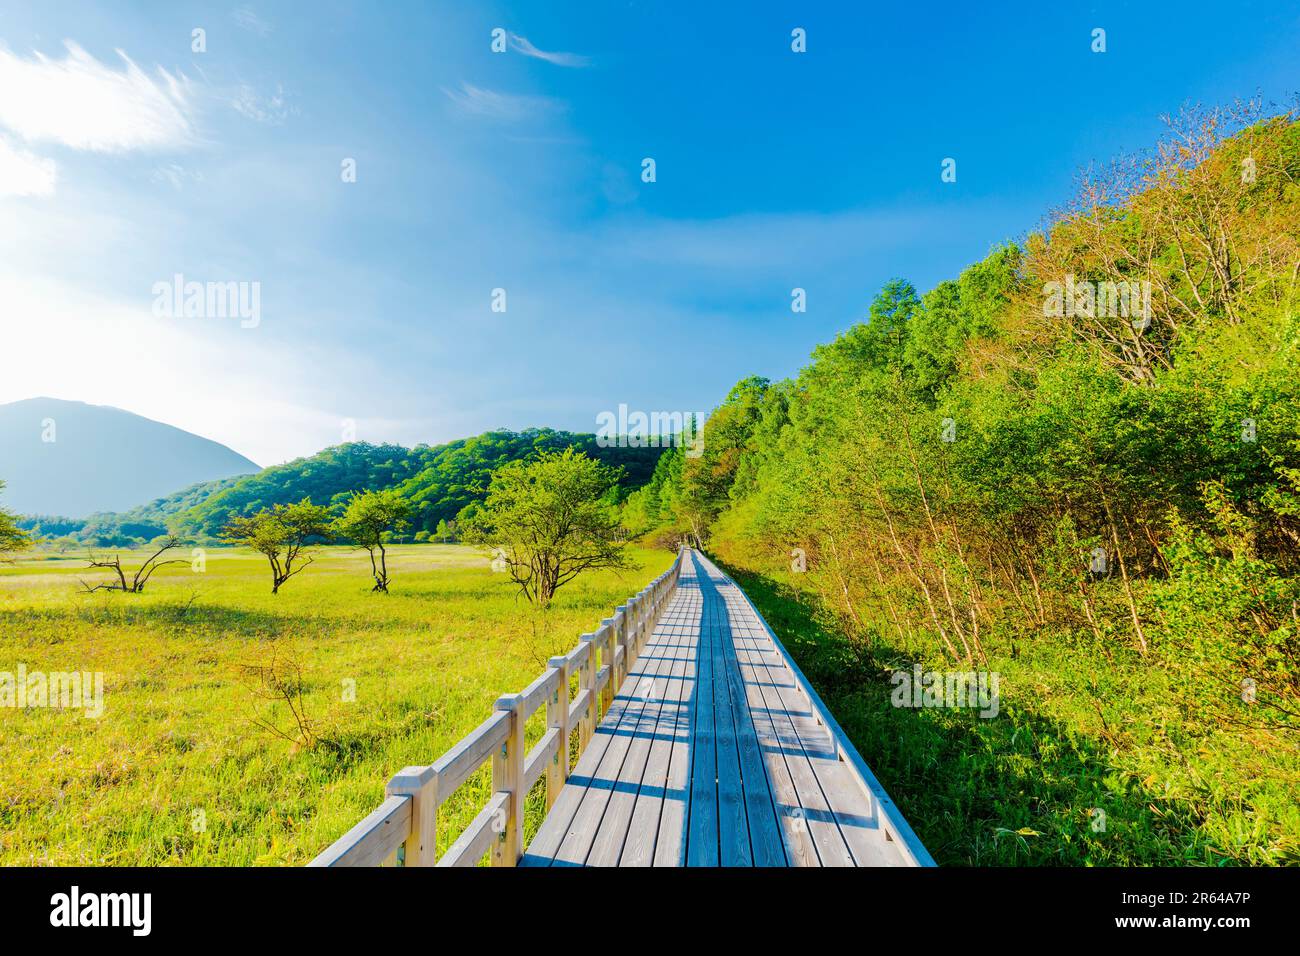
x=439, y=481
x=1095, y=495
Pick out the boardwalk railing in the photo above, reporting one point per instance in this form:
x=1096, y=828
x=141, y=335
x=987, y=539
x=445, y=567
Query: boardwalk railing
x=403, y=829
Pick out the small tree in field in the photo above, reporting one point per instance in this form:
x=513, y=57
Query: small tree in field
x=551, y=521
x=371, y=518
x=12, y=537
x=282, y=534
x=164, y=543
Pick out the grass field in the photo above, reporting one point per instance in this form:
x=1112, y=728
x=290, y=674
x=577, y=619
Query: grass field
x=178, y=768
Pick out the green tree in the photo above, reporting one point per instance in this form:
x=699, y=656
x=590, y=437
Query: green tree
x=12, y=537
x=550, y=520
x=281, y=533
x=371, y=518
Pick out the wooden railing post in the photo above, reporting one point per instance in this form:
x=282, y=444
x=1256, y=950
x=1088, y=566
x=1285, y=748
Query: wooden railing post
x=607, y=658
x=587, y=681
x=644, y=608
x=620, y=621
x=508, y=776
x=636, y=610
x=421, y=785
x=557, y=717
x=610, y=626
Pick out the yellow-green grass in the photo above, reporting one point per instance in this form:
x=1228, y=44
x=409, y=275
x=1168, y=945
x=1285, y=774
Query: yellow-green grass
x=177, y=771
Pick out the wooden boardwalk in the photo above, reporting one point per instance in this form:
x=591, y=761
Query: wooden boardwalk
x=712, y=755
x=700, y=744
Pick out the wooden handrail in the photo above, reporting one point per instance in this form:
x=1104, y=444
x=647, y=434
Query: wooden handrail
x=405, y=826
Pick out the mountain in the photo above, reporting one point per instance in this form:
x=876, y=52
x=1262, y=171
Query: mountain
x=70, y=458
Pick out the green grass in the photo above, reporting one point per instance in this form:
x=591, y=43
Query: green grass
x=1082, y=727
x=178, y=741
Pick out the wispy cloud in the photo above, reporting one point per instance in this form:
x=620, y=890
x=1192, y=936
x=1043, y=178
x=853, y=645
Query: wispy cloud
x=477, y=101
x=175, y=174
x=270, y=110
x=247, y=19
x=84, y=104
x=24, y=174
x=523, y=45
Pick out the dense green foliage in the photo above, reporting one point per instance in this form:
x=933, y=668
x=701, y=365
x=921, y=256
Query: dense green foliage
x=439, y=482
x=1099, y=502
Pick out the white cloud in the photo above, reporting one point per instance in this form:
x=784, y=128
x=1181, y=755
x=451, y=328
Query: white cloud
x=559, y=59
x=271, y=110
x=84, y=104
x=477, y=101
x=246, y=19
x=23, y=174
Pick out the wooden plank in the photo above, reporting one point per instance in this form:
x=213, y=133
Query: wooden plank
x=578, y=710
x=618, y=728
x=578, y=656
x=460, y=762
x=760, y=808
x=848, y=806
x=483, y=831
x=733, y=826
x=647, y=683
x=674, y=819
x=372, y=840
x=540, y=691
x=799, y=847
x=678, y=641
x=702, y=834
x=777, y=685
x=815, y=813
x=545, y=845
x=896, y=838
x=559, y=820
x=539, y=759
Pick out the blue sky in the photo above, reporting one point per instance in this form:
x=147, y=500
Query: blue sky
x=522, y=171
